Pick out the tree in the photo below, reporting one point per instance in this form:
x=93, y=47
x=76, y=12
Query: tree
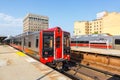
x=95, y=32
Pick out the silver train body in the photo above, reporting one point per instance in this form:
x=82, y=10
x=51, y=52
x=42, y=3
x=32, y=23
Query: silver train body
x=96, y=41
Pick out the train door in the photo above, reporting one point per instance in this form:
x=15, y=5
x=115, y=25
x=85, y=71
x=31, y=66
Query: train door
x=58, y=44
x=66, y=43
x=58, y=50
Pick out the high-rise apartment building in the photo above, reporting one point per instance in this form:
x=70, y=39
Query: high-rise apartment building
x=95, y=27
x=33, y=22
x=111, y=23
x=80, y=27
x=105, y=23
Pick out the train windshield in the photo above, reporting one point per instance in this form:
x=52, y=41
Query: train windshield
x=48, y=41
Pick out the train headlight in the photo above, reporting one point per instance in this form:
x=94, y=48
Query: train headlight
x=68, y=55
x=46, y=58
x=65, y=57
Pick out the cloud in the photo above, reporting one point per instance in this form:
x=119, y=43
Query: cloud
x=9, y=21
x=10, y=25
x=101, y=14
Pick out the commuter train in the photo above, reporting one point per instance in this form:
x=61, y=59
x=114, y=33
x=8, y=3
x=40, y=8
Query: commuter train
x=103, y=41
x=49, y=46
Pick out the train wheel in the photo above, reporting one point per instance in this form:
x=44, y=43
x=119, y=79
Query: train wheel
x=66, y=65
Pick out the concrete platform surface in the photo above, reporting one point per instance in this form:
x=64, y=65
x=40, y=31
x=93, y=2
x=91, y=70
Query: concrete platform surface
x=15, y=65
x=110, y=52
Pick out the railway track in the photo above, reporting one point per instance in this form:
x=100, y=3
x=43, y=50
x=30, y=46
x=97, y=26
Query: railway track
x=89, y=73
x=86, y=73
x=78, y=71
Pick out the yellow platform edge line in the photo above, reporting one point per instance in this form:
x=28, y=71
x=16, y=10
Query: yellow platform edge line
x=20, y=53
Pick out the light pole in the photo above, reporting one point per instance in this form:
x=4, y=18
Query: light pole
x=76, y=41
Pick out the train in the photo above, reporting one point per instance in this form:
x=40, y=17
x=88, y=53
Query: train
x=49, y=46
x=102, y=41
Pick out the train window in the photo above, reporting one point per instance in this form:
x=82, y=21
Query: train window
x=58, y=42
x=29, y=44
x=36, y=43
x=117, y=41
x=51, y=43
x=66, y=41
x=86, y=42
x=48, y=41
x=24, y=42
x=73, y=41
x=83, y=42
x=20, y=42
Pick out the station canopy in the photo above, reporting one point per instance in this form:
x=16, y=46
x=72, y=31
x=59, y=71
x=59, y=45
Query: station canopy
x=2, y=38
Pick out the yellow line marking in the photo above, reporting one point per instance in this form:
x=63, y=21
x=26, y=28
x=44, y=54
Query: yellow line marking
x=20, y=53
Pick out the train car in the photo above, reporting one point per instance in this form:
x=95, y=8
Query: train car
x=116, y=42
x=49, y=46
x=93, y=41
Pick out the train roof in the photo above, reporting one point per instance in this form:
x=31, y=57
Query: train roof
x=30, y=33
x=92, y=37
x=52, y=29
x=118, y=36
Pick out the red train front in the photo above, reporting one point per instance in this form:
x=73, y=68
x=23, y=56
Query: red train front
x=55, y=45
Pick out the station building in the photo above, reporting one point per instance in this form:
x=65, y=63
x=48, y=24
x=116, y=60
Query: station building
x=104, y=23
x=34, y=22
x=2, y=39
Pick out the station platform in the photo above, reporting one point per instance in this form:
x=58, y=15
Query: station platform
x=15, y=65
x=109, y=52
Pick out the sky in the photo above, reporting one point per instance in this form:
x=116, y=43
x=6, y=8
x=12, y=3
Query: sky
x=62, y=13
